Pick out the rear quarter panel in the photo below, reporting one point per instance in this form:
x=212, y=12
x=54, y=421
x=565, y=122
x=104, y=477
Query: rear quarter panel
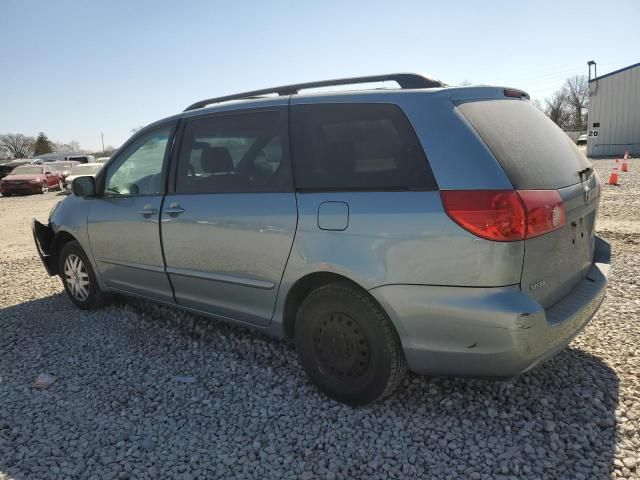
x=395, y=238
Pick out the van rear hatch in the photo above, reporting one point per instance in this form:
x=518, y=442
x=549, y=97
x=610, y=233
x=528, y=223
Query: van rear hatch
x=537, y=155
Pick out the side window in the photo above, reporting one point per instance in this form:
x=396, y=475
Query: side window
x=357, y=147
x=138, y=170
x=237, y=152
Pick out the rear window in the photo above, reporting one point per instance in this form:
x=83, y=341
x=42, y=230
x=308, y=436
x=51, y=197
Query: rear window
x=357, y=147
x=533, y=151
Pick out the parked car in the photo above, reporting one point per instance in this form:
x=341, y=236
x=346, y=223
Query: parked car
x=63, y=168
x=450, y=230
x=82, y=170
x=102, y=159
x=30, y=179
x=7, y=167
x=582, y=139
x=81, y=158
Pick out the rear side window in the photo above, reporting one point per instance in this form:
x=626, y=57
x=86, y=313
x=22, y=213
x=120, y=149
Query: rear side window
x=533, y=151
x=357, y=147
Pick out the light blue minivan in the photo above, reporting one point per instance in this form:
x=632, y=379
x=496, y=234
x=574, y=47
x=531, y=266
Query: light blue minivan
x=445, y=230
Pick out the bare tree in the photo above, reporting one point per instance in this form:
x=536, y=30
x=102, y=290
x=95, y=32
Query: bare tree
x=568, y=105
x=4, y=153
x=60, y=147
x=558, y=109
x=17, y=145
x=75, y=146
x=577, y=93
x=538, y=104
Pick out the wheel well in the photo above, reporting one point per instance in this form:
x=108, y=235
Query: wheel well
x=301, y=290
x=59, y=241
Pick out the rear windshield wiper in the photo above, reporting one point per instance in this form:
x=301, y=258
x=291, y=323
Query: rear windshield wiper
x=585, y=172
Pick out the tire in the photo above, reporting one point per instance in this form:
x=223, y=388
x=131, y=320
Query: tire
x=78, y=278
x=347, y=345
x=44, y=188
x=6, y=194
x=60, y=185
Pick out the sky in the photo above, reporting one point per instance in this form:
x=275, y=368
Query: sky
x=74, y=69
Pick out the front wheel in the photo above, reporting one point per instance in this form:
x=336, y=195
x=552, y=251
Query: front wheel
x=44, y=188
x=347, y=345
x=78, y=278
x=60, y=185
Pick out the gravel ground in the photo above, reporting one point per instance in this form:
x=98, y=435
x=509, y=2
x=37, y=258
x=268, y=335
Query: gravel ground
x=143, y=391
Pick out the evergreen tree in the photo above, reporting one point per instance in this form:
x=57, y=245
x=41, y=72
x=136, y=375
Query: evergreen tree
x=42, y=145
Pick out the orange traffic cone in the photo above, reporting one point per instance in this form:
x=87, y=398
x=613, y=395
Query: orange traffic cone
x=625, y=166
x=613, y=179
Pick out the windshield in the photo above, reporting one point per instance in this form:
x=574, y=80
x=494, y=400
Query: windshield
x=27, y=171
x=85, y=169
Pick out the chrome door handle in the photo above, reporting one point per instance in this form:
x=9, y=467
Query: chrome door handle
x=147, y=211
x=173, y=210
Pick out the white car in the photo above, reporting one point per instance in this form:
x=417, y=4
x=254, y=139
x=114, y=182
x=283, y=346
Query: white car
x=102, y=160
x=83, y=170
x=582, y=139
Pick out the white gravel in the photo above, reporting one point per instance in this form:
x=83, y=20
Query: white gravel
x=143, y=391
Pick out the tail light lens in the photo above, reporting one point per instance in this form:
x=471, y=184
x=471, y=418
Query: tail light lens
x=505, y=215
x=545, y=211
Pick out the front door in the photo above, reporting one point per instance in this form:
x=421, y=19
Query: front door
x=228, y=228
x=124, y=229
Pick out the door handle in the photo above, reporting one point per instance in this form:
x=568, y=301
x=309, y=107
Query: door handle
x=147, y=211
x=174, y=209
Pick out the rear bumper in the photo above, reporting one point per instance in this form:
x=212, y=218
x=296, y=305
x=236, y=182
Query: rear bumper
x=43, y=238
x=497, y=332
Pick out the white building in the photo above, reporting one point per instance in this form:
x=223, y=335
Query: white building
x=614, y=113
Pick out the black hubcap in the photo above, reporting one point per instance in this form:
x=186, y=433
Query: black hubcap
x=341, y=346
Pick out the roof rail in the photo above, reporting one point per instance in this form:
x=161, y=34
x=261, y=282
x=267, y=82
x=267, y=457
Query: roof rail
x=404, y=80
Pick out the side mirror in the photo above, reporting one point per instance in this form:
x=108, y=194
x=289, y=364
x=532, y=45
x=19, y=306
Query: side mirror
x=84, y=186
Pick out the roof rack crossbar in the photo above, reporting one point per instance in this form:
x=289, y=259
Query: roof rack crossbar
x=404, y=80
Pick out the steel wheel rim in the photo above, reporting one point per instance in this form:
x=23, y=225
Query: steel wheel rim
x=342, y=347
x=45, y=187
x=76, y=277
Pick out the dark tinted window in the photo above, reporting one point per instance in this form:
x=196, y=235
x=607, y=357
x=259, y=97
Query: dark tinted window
x=533, y=151
x=242, y=152
x=357, y=146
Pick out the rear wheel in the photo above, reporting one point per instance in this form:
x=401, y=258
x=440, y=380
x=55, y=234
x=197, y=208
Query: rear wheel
x=45, y=187
x=78, y=278
x=348, y=346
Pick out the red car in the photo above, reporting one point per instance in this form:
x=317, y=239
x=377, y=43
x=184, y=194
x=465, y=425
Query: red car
x=31, y=179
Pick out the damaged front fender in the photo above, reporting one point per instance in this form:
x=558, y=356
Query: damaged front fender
x=43, y=237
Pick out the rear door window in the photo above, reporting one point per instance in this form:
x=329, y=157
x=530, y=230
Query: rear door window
x=533, y=151
x=357, y=147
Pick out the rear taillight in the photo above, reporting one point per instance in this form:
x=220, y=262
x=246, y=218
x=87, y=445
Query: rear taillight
x=545, y=211
x=505, y=215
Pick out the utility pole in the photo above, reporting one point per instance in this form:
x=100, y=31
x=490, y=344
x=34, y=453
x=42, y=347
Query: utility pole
x=102, y=135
